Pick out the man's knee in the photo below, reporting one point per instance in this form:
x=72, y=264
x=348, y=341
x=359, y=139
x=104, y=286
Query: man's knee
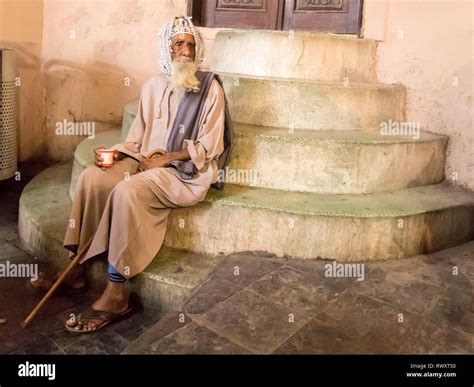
x=129, y=191
x=132, y=191
x=88, y=176
x=93, y=177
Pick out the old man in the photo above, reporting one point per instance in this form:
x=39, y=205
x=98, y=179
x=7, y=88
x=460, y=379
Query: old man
x=177, y=144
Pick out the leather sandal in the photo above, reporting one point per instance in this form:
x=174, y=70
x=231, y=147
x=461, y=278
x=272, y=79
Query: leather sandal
x=79, y=323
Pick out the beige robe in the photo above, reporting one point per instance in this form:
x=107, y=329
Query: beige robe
x=124, y=213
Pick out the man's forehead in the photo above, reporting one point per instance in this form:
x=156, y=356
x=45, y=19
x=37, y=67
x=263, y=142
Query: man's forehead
x=183, y=37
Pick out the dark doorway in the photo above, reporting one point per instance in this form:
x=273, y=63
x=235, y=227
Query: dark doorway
x=336, y=16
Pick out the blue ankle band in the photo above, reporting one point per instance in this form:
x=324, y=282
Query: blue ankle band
x=114, y=275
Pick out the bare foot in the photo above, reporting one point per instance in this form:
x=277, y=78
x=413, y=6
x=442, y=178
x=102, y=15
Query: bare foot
x=113, y=300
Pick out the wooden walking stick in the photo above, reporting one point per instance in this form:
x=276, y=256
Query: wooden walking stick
x=58, y=282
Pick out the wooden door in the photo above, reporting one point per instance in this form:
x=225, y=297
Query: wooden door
x=337, y=16
x=258, y=14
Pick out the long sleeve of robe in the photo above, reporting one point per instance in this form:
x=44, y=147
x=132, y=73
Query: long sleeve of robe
x=124, y=212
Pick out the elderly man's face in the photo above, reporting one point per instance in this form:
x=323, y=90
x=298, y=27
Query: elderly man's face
x=184, y=47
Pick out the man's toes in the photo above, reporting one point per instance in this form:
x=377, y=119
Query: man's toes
x=88, y=326
x=78, y=324
x=70, y=323
x=74, y=320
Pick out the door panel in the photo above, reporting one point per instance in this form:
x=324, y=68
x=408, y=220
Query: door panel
x=258, y=14
x=337, y=16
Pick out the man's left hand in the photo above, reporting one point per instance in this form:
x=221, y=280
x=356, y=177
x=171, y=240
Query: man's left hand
x=156, y=161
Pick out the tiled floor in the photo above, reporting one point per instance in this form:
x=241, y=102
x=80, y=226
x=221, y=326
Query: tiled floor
x=410, y=306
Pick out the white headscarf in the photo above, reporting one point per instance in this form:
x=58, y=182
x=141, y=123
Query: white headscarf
x=179, y=25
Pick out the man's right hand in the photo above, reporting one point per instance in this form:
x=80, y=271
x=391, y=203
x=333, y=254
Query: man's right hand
x=98, y=158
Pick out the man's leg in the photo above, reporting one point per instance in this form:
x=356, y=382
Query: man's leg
x=131, y=230
x=92, y=191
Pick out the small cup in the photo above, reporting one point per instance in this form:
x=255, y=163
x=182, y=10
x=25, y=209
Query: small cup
x=107, y=156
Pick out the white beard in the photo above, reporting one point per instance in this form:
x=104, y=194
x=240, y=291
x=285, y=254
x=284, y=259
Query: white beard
x=183, y=74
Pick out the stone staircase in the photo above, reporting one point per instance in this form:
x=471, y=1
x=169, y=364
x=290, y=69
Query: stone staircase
x=328, y=184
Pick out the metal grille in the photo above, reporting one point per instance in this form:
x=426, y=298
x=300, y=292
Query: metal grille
x=8, y=136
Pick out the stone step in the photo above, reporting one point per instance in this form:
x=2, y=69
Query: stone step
x=343, y=227
x=308, y=55
x=310, y=104
x=335, y=161
x=301, y=225
x=316, y=161
x=43, y=216
x=313, y=105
